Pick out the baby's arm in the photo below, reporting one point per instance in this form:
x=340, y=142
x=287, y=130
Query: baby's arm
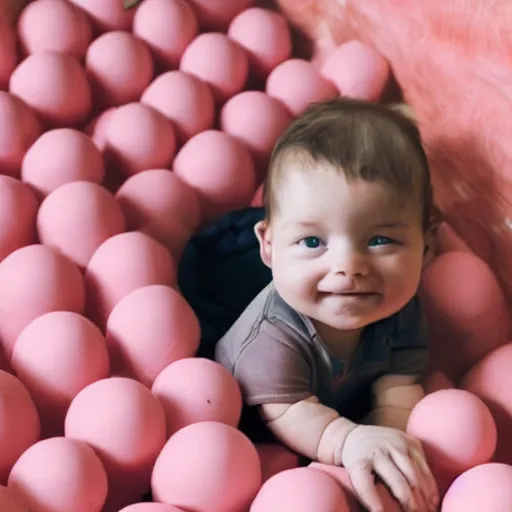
x=394, y=397
x=309, y=428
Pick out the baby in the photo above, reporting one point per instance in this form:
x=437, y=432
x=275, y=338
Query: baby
x=339, y=332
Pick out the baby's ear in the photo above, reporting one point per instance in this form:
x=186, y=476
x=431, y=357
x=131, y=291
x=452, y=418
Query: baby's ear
x=263, y=234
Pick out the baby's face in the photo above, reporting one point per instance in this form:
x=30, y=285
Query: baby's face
x=345, y=254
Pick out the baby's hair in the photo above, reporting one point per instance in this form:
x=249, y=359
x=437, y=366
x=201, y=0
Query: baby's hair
x=362, y=140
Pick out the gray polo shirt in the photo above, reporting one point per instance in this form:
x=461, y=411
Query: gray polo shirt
x=277, y=356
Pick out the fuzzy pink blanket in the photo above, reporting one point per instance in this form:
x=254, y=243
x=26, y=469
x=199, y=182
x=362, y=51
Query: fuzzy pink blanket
x=453, y=61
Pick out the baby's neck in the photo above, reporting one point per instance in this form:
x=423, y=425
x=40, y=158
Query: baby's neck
x=341, y=344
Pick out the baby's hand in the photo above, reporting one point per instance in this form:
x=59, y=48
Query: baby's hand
x=398, y=459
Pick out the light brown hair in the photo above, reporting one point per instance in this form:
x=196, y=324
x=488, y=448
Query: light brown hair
x=363, y=140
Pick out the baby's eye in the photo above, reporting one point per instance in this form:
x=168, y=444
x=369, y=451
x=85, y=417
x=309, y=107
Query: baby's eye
x=311, y=242
x=375, y=241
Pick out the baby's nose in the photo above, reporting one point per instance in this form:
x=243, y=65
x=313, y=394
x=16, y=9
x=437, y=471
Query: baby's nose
x=351, y=265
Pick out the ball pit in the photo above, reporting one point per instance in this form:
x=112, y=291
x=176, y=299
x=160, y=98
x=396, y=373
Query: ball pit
x=123, y=132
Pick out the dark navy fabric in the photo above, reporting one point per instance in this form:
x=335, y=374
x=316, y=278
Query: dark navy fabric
x=221, y=272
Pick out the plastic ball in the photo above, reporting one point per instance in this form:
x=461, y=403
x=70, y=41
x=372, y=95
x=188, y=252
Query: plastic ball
x=447, y=239
x=219, y=61
x=97, y=128
x=55, y=86
x=160, y=204
x=465, y=438
x=107, y=14
x=218, y=14
x=148, y=329
x=77, y=218
x=19, y=422
x=256, y=120
x=265, y=36
x=139, y=138
x=35, y=280
x=358, y=71
x=56, y=356
x=220, y=169
x=275, y=458
x=8, y=53
x=468, y=317
x=60, y=475
x=10, y=502
x=122, y=264
x=148, y=507
x=167, y=27
x=19, y=129
x=119, y=66
x=65, y=29
x=490, y=379
x=196, y=389
x=487, y=487
x=211, y=453
x=184, y=99
x=314, y=88
x=18, y=211
x=125, y=424
x=61, y=156
x=342, y=478
x=300, y=490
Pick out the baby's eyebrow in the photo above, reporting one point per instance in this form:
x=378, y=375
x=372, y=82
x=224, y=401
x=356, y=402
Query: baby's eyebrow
x=391, y=225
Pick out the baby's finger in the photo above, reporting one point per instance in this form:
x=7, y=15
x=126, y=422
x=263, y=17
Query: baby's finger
x=430, y=483
x=408, y=466
x=398, y=485
x=363, y=482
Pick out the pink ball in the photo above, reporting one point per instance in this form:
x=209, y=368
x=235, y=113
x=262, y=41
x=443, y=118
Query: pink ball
x=18, y=210
x=65, y=29
x=314, y=88
x=358, y=71
x=447, y=239
x=19, y=422
x=218, y=14
x=97, y=128
x=146, y=507
x=149, y=329
x=219, y=61
x=265, y=36
x=167, y=27
x=157, y=202
x=275, y=458
x=125, y=424
x=207, y=466
x=122, y=264
x=139, y=138
x=35, y=280
x=19, y=128
x=56, y=356
x=184, y=99
x=467, y=317
x=491, y=380
x=77, y=218
x=8, y=53
x=107, y=14
x=10, y=502
x=220, y=169
x=257, y=120
x=465, y=438
x=487, y=487
x=342, y=478
x=55, y=86
x=119, y=66
x=196, y=389
x=60, y=475
x=300, y=490
x=61, y=156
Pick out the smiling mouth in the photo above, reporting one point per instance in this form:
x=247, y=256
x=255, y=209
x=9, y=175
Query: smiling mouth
x=351, y=294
